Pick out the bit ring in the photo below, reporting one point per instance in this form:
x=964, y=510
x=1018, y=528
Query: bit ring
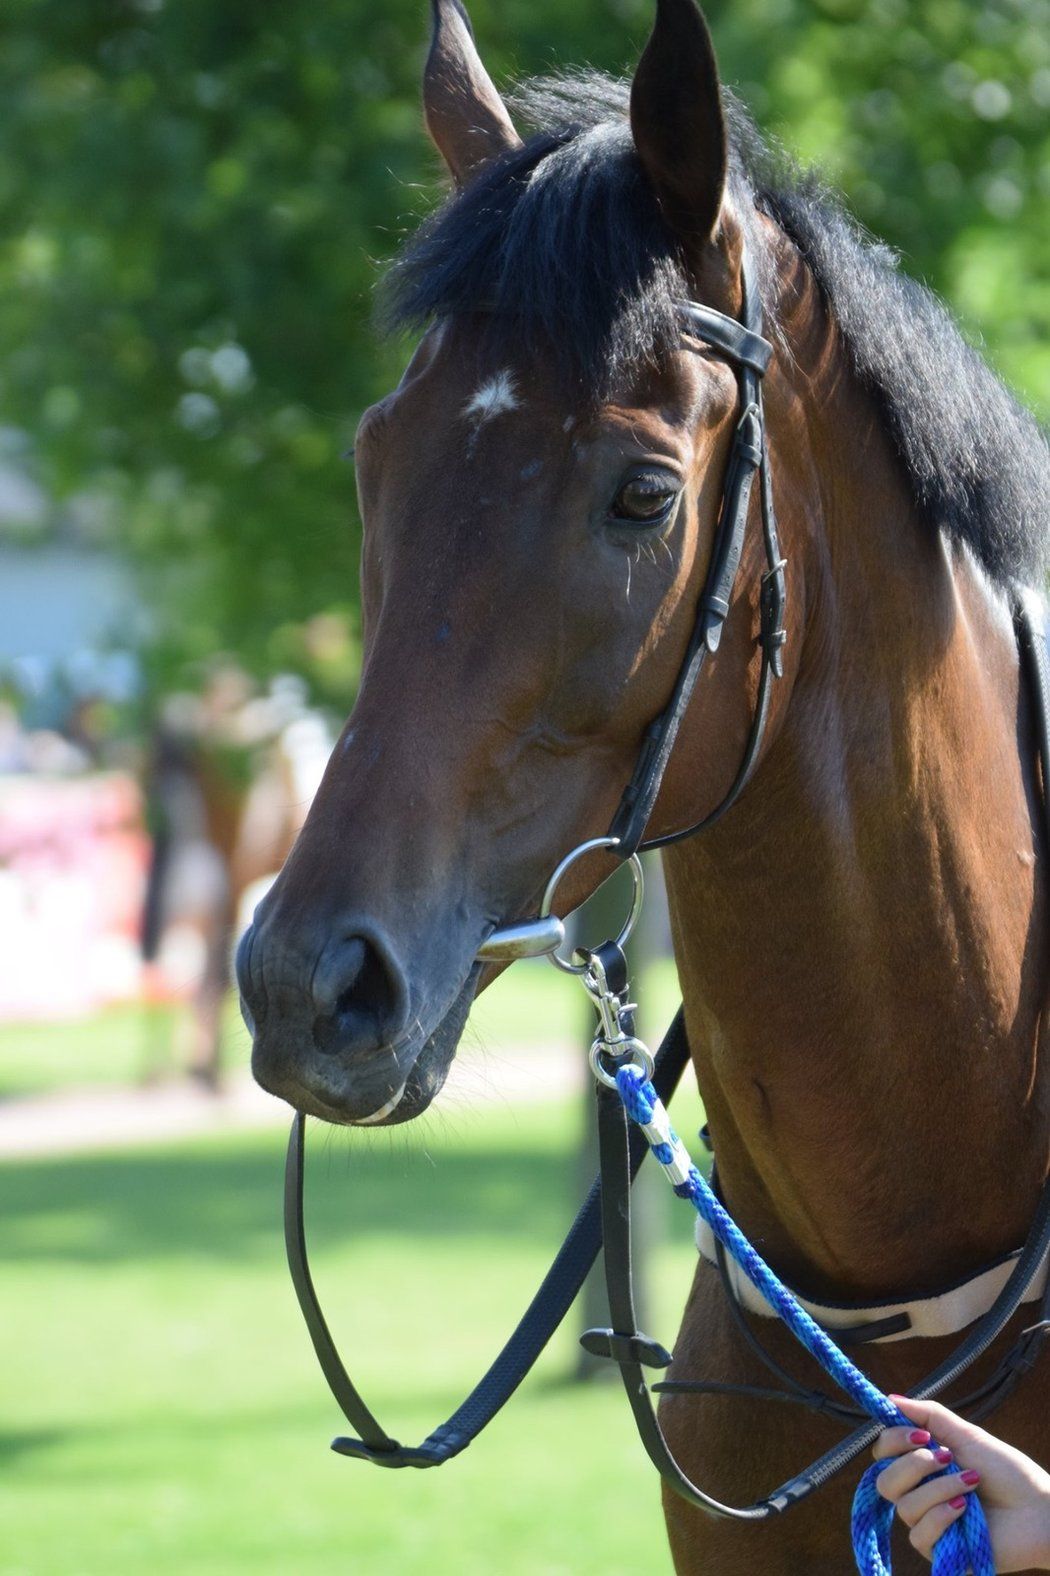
x=635, y=865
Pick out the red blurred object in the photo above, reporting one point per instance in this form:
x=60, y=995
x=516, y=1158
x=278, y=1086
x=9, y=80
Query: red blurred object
x=73, y=859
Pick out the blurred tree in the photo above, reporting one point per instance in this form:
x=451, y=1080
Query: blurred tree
x=193, y=199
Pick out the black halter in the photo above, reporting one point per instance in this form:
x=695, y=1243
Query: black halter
x=606, y=1210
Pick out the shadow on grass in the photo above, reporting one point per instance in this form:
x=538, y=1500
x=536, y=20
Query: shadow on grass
x=310, y=1414
x=223, y=1200
x=16, y=1443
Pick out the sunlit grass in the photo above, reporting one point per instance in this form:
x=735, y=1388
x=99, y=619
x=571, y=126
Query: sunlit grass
x=162, y=1409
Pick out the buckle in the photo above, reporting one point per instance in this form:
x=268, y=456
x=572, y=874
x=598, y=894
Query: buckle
x=634, y=1348
x=395, y=1456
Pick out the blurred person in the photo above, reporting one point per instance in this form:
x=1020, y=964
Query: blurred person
x=229, y=780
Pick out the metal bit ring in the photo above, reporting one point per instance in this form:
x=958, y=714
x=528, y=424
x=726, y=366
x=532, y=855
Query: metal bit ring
x=570, y=859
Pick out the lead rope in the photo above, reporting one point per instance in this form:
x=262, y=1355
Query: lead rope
x=965, y=1546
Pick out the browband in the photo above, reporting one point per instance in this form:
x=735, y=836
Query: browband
x=735, y=341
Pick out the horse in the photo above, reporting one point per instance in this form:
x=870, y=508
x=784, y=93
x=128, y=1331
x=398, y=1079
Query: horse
x=862, y=940
x=229, y=778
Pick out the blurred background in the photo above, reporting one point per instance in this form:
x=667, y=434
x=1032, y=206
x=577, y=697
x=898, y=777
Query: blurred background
x=195, y=200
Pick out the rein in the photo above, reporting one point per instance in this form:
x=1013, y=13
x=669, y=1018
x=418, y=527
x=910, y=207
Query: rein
x=632, y=1088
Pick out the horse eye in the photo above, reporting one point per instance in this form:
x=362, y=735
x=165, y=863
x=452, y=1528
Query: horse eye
x=645, y=498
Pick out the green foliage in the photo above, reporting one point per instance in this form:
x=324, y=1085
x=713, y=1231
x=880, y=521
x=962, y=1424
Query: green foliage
x=934, y=120
x=193, y=200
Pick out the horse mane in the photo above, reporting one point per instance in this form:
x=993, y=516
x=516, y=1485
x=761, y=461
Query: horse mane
x=562, y=243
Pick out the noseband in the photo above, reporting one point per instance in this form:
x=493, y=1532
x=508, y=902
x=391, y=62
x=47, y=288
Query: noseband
x=741, y=343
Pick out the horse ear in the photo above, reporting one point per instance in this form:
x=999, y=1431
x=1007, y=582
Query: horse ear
x=677, y=123
x=465, y=116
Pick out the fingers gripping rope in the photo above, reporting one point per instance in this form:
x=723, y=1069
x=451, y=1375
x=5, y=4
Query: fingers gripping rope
x=965, y=1546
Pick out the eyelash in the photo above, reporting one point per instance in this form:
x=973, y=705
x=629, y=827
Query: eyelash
x=651, y=522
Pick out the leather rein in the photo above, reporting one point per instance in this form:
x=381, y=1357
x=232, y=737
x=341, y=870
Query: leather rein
x=604, y=1218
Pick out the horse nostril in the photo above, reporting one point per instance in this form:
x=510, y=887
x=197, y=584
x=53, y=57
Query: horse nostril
x=358, y=993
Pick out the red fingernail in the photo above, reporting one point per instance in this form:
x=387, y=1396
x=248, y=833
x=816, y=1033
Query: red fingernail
x=970, y=1477
x=919, y=1436
x=958, y=1504
x=942, y=1454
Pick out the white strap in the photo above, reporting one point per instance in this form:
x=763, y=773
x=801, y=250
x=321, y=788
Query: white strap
x=946, y=1314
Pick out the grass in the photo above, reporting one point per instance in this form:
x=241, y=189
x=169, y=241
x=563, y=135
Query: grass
x=107, y=1048
x=162, y=1410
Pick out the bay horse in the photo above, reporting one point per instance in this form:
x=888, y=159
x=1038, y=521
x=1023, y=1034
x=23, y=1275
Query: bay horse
x=862, y=941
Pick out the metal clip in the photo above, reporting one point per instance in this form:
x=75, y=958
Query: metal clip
x=612, y=1042
x=609, y=1006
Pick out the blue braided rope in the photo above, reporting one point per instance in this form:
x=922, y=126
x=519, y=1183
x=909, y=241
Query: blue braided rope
x=965, y=1546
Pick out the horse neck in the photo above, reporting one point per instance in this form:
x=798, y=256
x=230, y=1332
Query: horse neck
x=861, y=942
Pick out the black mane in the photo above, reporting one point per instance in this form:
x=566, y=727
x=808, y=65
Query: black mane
x=562, y=242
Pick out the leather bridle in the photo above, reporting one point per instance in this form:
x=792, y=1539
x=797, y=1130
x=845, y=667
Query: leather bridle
x=742, y=344
x=605, y=1213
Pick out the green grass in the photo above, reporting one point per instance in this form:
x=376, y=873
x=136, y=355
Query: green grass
x=108, y=1048
x=530, y=1001
x=162, y=1411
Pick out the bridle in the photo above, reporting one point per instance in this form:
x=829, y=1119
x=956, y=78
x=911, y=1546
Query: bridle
x=605, y=1214
x=741, y=343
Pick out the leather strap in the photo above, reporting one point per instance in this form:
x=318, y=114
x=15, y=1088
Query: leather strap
x=374, y=1437
x=542, y=1317
x=606, y=1212
x=1031, y=616
x=743, y=344
x=627, y=1341
x=740, y=343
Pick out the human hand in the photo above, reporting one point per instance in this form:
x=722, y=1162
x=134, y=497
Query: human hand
x=1015, y=1492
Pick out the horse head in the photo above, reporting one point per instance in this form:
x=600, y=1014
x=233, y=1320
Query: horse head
x=540, y=496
